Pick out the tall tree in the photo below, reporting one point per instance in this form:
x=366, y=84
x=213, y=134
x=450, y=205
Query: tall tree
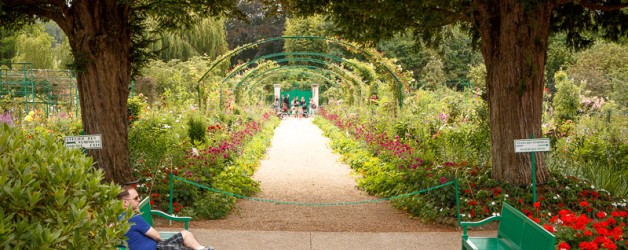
x=514, y=40
x=33, y=45
x=260, y=23
x=108, y=44
x=205, y=38
x=7, y=46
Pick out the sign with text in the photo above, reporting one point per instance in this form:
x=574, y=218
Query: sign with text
x=532, y=145
x=83, y=141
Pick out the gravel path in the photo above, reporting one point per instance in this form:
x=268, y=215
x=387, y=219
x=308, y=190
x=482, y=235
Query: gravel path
x=300, y=167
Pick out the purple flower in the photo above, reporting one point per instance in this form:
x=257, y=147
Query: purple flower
x=6, y=118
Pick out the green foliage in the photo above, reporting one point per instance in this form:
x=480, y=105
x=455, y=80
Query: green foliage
x=404, y=49
x=7, y=46
x=134, y=108
x=477, y=77
x=434, y=75
x=33, y=46
x=567, y=99
x=309, y=26
x=52, y=197
x=602, y=69
x=558, y=55
x=213, y=206
x=197, y=129
x=596, y=150
x=206, y=37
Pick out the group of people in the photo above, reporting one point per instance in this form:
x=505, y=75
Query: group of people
x=295, y=107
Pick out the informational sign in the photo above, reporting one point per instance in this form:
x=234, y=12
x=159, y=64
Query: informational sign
x=83, y=141
x=532, y=145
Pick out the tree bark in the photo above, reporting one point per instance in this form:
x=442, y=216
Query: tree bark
x=514, y=37
x=100, y=37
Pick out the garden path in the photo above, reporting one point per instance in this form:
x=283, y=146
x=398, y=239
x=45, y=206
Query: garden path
x=300, y=167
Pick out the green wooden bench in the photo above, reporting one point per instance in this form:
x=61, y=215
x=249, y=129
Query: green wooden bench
x=516, y=231
x=147, y=214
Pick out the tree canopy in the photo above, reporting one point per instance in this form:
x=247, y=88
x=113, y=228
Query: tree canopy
x=513, y=36
x=109, y=41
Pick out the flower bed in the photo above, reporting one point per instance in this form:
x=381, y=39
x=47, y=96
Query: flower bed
x=580, y=215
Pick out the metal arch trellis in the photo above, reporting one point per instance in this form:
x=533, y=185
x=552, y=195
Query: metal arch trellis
x=335, y=58
x=305, y=69
x=295, y=67
x=329, y=40
x=298, y=59
x=284, y=71
x=292, y=60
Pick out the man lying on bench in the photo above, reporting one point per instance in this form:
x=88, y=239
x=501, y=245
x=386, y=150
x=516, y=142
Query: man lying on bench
x=143, y=236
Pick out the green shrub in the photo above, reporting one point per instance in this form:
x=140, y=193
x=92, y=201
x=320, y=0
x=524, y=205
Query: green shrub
x=197, y=129
x=134, y=107
x=567, y=100
x=213, y=206
x=52, y=197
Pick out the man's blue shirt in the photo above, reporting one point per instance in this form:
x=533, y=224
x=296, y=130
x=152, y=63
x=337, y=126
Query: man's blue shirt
x=136, y=235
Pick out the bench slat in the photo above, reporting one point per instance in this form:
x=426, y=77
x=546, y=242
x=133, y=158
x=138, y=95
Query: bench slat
x=486, y=243
x=516, y=231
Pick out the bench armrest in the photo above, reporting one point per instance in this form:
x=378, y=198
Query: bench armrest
x=184, y=219
x=466, y=224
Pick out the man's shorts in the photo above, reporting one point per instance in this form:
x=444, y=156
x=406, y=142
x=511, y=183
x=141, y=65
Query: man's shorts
x=174, y=243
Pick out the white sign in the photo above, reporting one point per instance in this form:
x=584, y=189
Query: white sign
x=83, y=141
x=532, y=145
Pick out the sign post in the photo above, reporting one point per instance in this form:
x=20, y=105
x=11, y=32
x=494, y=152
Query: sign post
x=532, y=146
x=83, y=141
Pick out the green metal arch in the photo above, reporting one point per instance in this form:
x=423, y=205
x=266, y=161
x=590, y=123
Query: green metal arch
x=273, y=73
x=284, y=60
x=302, y=69
x=265, y=74
x=335, y=58
x=335, y=41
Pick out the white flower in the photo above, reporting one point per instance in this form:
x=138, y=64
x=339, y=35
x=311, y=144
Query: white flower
x=506, y=195
x=194, y=152
x=592, y=187
x=556, y=197
x=177, y=121
x=166, y=126
x=493, y=203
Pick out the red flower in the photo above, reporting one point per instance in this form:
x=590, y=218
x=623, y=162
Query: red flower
x=564, y=246
x=601, y=215
x=473, y=203
x=549, y=228
x=537, y=205
x=585, y=245
x=584, y=204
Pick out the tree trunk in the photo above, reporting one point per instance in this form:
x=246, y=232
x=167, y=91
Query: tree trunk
x=100, y=36
x=514, y=41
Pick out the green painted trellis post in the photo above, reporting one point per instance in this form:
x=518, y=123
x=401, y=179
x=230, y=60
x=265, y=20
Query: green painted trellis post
x=170, y=184
x=532, y=146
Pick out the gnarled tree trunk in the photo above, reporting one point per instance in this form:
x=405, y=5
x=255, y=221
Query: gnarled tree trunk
x=100, y=36
x=514, y=40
